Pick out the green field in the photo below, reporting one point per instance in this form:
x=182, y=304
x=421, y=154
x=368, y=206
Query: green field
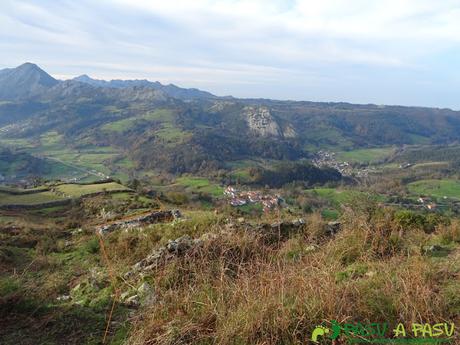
x=430, y=165
x=326, y=138
x=11, y=190
x=171, y=134
x=365, y=155
x=76, y=190
x=165, y=128
x=59, y=192
x=75, y=162
x=436, y=188
x=419, y=140
x=61, y=161
x=338, y=197
x=51, y=138
x=164, y=116
x=125, y=163
x=196, y=184
x=335, y=196
x=28, y=199
x=16, y=142
x=120, y=126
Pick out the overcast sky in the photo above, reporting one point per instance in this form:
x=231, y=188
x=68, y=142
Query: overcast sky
x=363, y=51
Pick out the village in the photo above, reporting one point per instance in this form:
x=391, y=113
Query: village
x=239, y=198
x=328, y=159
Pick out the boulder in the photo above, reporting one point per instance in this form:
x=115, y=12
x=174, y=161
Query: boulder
x=180, y=245
x=147, y=294
x=160, y=256
x=333, y=228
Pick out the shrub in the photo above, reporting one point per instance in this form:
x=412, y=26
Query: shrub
x=412, y=220
x=177, y=198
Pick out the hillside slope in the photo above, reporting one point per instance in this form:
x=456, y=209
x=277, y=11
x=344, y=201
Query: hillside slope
x=187, y=130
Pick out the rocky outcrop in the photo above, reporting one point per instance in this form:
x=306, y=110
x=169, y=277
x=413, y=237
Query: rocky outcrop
x=152, y=218
x=289, y=132
x=333, y=228
x=271, y=232
x=161, y=256
x=144, y=295
x=261, y=122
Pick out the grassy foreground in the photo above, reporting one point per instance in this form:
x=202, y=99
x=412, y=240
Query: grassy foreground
x=240, y=287
x=244, y=289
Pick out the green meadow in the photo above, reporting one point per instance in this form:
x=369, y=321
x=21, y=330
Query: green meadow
x=196, y=184
x=77, y=190
x=160, y=115
x=28, y=199
x=365, y=155
x=41, y=195
x=336, y=196
x=436, y=188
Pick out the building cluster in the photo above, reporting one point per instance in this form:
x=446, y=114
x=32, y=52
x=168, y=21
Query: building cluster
x=328, y=159
x=428, y=203
x=239, y=198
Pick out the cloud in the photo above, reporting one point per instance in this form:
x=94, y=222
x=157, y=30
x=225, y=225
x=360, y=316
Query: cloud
x=257, y=48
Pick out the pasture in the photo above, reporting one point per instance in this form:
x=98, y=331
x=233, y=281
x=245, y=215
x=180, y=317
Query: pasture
x=436, y=188
x=365, y=155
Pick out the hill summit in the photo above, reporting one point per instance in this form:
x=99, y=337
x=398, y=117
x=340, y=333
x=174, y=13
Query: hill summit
x=25, y=80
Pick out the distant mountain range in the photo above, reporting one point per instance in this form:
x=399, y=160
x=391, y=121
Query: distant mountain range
x=177, y=130
x=170, y=90
x=28, y=80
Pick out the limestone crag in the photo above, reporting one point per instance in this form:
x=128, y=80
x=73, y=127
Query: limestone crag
x=261, y=122
x=162, y=255
x=152, y=218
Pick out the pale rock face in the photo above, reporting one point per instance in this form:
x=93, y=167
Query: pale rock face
x=220, y=105
x=261, y=122
x=289, y=132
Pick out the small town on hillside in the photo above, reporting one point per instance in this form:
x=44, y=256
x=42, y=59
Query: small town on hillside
x=328, y=159
x=239, y=198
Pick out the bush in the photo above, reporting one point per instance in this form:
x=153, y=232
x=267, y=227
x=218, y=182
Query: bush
x=177, y=198
x=426, y=222
x=450, y=233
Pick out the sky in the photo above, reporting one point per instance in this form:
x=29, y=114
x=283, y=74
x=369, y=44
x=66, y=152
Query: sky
x=361, y=51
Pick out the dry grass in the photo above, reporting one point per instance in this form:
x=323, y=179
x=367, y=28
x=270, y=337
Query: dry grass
x=240, y=290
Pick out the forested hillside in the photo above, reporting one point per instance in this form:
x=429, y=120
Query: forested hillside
x=188, y=130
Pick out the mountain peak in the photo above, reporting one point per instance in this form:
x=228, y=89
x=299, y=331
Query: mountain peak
x=83, y=78
x=28, y=65
x=23, y=81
